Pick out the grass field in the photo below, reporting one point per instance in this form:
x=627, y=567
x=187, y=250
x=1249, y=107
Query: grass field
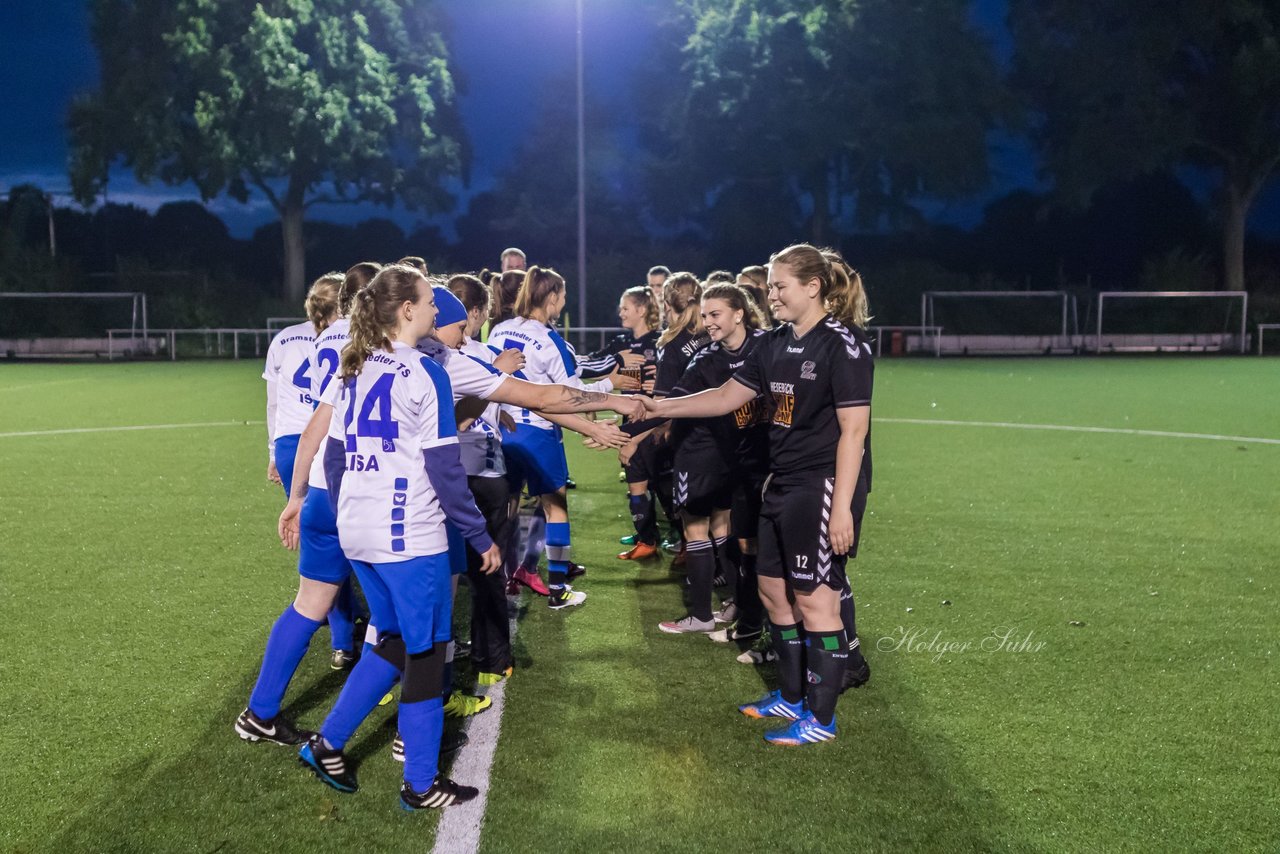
x=1134, y=706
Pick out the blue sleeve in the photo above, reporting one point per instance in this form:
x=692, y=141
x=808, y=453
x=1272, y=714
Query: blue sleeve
x=449, y=480
x=335, y=464
x=566, y=353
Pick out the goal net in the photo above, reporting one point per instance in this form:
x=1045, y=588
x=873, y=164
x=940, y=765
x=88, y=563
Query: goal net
x=70, y=323
x=1001, y=321
x=1170, y=322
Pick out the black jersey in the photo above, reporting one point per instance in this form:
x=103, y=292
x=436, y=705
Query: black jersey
x=738, y=441
x=674, y=358
x=804, y=381
x=603, y=361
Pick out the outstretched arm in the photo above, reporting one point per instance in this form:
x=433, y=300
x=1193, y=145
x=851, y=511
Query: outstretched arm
x=704, y=404
x=557, y=398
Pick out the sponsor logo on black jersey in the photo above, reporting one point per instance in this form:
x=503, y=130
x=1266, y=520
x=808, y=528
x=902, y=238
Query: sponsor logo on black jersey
x=791, y=349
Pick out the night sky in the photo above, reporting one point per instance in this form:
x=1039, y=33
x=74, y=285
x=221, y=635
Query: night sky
x=505, y=51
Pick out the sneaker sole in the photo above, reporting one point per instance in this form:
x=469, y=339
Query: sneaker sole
x=674, y=631
x=254, y=737
x=797, y=742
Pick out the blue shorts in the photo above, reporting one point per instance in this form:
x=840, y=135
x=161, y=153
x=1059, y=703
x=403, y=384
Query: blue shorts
x=320, y=554
x=457, y=549
x=411, y=598
x=286, y=450
x=535, y=457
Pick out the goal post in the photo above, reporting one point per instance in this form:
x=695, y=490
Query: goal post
x=1194, y=337
x=76, y=329
x=1045, y=321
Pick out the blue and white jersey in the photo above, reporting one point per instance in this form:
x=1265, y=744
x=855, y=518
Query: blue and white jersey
x=398, y=406
x=324, y=365
x=289, y=367
x=548, y=358
x=472, y=377
x=487, y=423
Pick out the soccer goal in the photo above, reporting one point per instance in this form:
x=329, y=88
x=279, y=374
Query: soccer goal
x=1001, y=322
x=70, y=323
x=1171, y=322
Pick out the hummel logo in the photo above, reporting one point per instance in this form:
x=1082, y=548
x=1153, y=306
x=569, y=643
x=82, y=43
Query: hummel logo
x=795, y=349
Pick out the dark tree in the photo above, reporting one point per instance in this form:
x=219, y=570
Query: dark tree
x=1126, y=87
x=304, y=101
x=858, y=106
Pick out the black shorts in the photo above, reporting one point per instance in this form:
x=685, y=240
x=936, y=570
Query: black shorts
x=700, y=493
x=747, y=498
x=651, y=460
x=794, y=544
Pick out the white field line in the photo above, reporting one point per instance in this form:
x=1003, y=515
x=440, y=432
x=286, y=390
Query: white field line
x=74, y=430
x=460, y=826
x=1165, y=434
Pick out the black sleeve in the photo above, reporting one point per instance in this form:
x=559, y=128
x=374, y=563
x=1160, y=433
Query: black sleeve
x=751, y=374
x=602, y=362
x=851, y=373
x=695, y=377
x=670, y=367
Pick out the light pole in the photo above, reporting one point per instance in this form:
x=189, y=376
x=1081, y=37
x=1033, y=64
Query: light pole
x=582, y=190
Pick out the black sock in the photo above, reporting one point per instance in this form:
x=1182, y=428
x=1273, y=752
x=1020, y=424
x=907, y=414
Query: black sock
x=747, y=595
x=828, y=657
x=847, y=611
x=726, y=558
x=788, y=642
x=557, y=580
x=642, y=518
x=701, y=568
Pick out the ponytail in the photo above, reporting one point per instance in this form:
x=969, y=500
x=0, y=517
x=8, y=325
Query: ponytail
x=847, y=299
x=322, y=300
x=505, y=286
x=375, y=314
x=357, y=277
x=539, y=284
x=681, y=293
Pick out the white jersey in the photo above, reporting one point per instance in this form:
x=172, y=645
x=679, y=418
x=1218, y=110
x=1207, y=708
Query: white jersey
x=398, y=406
x=472, y=377
x=548, y=358
x=324, y=365
x=289, y=367
x=488, y=421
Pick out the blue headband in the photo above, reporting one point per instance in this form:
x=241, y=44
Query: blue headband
x=449, y=309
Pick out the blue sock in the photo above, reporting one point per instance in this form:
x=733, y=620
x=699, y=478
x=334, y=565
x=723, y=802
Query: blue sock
x=342, y=623
x=421, y=724
x=287, y=643
x=557, y=553
x=370, y=679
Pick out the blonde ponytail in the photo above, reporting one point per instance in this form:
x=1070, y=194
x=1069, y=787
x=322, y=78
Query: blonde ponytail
x=682, y=294
x=322, y=300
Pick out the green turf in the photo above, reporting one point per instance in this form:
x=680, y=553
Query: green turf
x=139, y=575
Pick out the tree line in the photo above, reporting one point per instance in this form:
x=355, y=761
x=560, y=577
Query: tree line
x=759, y=123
